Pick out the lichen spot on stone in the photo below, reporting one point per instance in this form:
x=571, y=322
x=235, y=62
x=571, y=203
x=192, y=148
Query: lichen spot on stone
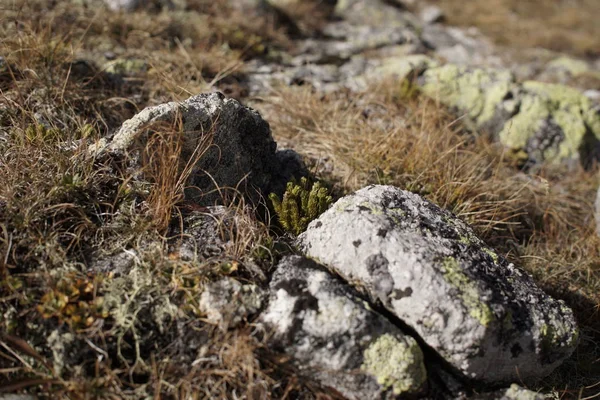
x=468, y=291
x=395, y=364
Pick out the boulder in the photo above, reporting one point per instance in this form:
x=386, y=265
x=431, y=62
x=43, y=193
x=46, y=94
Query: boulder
x=335, y=338
x=238, y=151
x=549, y=122
x=482, y=314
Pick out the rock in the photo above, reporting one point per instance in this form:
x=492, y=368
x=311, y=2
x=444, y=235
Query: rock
x=227, y=303
x=241, y=151
x=593, y=95
x=485, y=95
x=460, y=46
x=563, y=69
x=514, y=392
x=375, y=13
x=554, y=123
x=205, y=233
x=548, y=121
x=346, y=39
x=482, y=314
x=133, y=5
x=335, y=338
x=432, y=14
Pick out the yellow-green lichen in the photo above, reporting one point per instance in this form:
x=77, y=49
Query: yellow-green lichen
x=478, y=92
x=469, y=293
x=395, y=364
x=491, y=253
x=567, y=107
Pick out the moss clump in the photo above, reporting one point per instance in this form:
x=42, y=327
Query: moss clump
x=301, y=204
x=469, y=293
x=397, y=365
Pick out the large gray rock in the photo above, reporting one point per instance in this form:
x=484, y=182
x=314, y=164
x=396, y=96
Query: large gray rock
x=479, y=312
x=241, y=153
x=334, y=337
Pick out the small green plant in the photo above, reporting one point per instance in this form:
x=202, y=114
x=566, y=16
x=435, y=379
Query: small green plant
x=301, y=204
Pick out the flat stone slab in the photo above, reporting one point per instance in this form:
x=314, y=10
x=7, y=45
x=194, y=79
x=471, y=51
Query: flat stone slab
x=334, y=337
x=481, y=313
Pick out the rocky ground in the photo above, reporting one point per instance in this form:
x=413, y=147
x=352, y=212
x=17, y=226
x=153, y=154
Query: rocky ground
x=323, y=199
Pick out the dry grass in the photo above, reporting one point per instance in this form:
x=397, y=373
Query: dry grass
x=138, y=334
x=542, y=221
x=561, y=25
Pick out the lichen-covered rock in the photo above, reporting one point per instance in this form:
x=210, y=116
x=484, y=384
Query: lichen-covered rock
x=227, y=302
x=374, y=13
x=548, y=121
x=479, y=312
x=335, y=338
x=514, y=392
x=240, y=154
x=554, y=122
x=483, y=94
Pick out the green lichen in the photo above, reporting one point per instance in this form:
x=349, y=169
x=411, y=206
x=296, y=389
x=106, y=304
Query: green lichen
x=478, y=92
x=469, y=293
x=573, y=66
x=569, y=109
x=406, y=66
x=397, y=365
x=491, y=253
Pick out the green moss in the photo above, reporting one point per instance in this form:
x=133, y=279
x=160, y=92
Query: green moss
x=395, y=364
x=469, y=293
x=301, y=204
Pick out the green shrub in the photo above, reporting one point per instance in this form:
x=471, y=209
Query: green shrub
x=301, y=204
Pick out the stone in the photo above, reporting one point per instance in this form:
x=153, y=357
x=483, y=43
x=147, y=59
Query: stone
x=227, y=302
x=550, y=122
x=432, y=15
x=238, y=151
x=482, y=314
x=335, y=338
x=514, y=392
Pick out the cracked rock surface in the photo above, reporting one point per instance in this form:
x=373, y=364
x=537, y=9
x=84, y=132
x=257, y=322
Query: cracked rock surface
x=481, y=313
x=334, y=337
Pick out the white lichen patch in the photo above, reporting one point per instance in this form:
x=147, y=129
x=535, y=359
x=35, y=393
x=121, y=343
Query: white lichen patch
x=396, y=364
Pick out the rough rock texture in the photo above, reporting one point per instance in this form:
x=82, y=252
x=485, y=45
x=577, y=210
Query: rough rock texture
x=548, y=121
x=335, y=338
x=205, y=233
x=514, y=392
x=227, y=302
x=241, y=153
x=483, y=315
